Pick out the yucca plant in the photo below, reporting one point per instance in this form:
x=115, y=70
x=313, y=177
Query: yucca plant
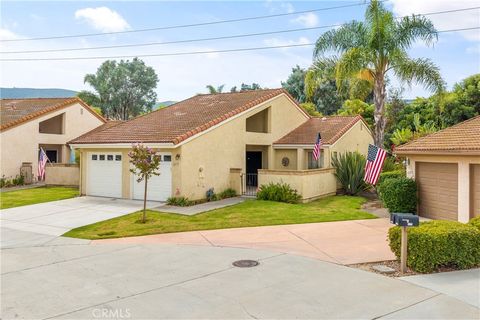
x=350, y=170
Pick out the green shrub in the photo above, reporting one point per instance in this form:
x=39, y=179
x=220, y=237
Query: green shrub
x=475, y=222
x=436, y=244
x=350, y=170
x=227, y=193
x=399, y=195
x=390, y=175
x=19, y=180
x=180, y=202
x=390, y=164
x=281, y=192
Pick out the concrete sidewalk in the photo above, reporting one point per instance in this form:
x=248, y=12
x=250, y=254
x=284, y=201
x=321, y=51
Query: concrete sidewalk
x=200, y=208
x=342, y=242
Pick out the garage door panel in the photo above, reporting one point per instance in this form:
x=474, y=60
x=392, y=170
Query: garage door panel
x=104, y=174
x=437, y=190
x=159, y=187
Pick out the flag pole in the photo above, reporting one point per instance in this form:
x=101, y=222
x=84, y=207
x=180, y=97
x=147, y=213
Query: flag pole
x=48, y=160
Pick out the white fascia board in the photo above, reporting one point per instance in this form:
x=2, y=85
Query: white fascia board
x=296, y=146
x=119, y=145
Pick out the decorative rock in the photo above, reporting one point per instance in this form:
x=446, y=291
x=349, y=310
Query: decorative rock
x=383, y=269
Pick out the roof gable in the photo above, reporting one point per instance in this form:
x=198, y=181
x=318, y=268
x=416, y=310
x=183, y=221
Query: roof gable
x=183, y=119
x=464, y=136
x=331, y=129
x=14, y=112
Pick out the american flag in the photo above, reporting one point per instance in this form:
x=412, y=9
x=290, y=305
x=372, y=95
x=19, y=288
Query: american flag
x=375, y=158
x=316, y=148
x=42, y=161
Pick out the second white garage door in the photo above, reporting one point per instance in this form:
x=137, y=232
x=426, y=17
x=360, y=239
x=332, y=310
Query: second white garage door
x=159, y=187
x=104, y=174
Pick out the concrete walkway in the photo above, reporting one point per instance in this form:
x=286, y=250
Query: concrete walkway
x=200, y=208
x=69, y=279
x=343, y=242
x=463, y=285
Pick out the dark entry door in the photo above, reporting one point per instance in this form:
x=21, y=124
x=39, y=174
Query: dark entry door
x=51, y=155
x=254, y=162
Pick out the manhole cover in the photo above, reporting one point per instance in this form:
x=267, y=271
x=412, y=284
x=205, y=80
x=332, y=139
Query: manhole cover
x=246, y=263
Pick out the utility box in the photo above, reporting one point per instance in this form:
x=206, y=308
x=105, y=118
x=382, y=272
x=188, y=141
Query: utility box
x=26, y=172
x=404, y=219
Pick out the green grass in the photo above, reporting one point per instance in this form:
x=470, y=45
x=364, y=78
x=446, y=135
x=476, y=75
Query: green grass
x=17, y=198
x=247, y=214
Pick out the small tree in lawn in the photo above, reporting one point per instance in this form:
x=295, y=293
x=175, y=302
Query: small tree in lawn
x=145, y=165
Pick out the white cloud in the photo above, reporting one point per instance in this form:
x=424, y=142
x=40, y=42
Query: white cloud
x=7, y=35
x=275, y=7
x=307, y=20
x=285, y=42
x=446, y=21
x=474, y=50
x=103, y=19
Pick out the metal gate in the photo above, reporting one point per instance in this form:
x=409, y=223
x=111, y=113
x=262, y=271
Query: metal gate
x=249, y=184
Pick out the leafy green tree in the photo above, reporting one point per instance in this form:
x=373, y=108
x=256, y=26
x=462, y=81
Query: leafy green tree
x=145, y=164
x=358, y=107
x=401, y=136
x=212, y=89
x=123, y=89
x=372, y=49
x=310, y=108
x=247, y=87
x=295, y=84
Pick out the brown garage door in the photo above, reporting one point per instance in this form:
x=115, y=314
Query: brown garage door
x=437, y=190
x=475, y=190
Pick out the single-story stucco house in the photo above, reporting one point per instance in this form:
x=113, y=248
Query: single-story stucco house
x=49, y=123
x=230, y=140
x=446, y=166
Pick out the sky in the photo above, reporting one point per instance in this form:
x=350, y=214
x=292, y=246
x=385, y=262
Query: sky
x=457, y=54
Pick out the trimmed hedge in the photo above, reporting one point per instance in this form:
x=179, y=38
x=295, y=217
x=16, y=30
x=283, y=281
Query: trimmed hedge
x=281, y=192
x=475, y=222
x=390, y=175
x=436, y=244
x=399, y=195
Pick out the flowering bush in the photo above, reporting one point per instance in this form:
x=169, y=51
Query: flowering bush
x=145, y=165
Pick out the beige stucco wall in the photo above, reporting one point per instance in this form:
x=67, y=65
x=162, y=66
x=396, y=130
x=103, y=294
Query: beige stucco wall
x=357, y=138
x=224, y=147
x=20, y=144
x=310, y=184
x=463, y=162
x=291, y=154
x=62, y=174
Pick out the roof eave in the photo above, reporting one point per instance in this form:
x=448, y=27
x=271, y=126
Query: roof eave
x=437, y=152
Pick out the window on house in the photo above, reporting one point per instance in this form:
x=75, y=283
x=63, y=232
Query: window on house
x=315, y=164
x=118, y=157
x=54, y=125
x=110, y=157
x=94, y=157
x=167, y=158
x=259, y=122
x=101, y=157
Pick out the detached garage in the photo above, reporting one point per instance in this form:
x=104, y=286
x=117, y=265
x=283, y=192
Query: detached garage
x=446, y=166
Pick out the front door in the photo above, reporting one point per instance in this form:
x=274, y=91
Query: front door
x=254, y=162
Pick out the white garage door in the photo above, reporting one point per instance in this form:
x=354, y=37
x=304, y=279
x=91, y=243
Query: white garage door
x=104, y=174
x=159, y=187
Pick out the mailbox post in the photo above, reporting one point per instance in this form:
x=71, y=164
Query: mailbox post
x=404, y=220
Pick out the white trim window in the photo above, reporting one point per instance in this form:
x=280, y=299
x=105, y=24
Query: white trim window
x=312, y=163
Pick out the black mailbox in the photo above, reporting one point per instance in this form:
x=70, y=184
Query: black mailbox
x=404, y=219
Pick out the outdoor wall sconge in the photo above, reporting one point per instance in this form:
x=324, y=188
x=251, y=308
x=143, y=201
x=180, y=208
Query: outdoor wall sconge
x=177, y=156
x=285, y=161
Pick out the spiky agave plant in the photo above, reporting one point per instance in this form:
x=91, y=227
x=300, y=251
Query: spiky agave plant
x=350, y=170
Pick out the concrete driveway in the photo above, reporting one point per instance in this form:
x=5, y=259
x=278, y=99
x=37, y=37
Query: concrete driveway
x=51, y=219
x=70, y=279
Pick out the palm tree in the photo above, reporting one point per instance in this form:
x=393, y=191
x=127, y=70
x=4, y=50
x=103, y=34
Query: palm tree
x=212, y=89
x=370, y=50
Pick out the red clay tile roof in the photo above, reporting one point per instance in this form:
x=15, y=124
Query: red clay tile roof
x=330, y=128
x=464, y=136
x=181, y=120
x=14, y=112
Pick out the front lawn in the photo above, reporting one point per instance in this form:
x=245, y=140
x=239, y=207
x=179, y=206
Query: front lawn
x=17, y=198
x=247, y=214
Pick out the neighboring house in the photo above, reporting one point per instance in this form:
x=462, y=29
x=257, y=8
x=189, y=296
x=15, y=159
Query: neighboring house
x=238, y=140
x=49, y=123
x=446, y=166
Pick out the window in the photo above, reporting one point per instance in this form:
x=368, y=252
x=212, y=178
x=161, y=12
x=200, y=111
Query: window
x=110, y=157
x=94, y=157
x=167, y=158
x=102, y=157
x=118, y=157
x=259, y=122
x=315, y=164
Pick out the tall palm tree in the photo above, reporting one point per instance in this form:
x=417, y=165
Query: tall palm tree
x=212, y=89
x=373, y=49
